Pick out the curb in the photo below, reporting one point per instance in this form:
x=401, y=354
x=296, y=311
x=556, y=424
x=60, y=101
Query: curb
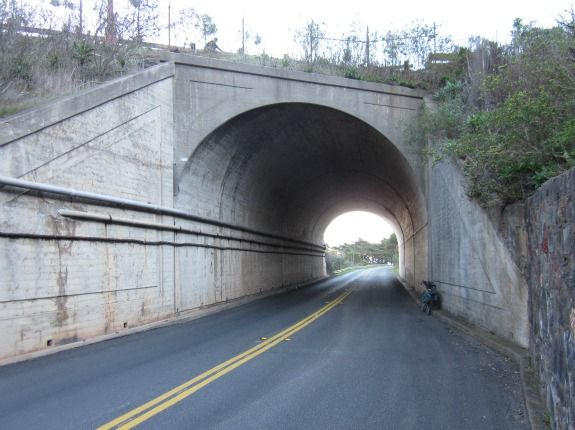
x=181, y=318
x=533, y=402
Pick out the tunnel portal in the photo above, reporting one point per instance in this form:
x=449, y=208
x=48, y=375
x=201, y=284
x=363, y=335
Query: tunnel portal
x=291, y=168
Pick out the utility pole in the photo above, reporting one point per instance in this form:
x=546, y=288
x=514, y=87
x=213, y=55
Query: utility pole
x=169, y=26
x=243, y=36
x=81, y=10
x=111, y=36
x=311, y=42
x=434, y=38
x=367, y=47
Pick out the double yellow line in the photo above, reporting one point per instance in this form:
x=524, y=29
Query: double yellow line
x=155, y=406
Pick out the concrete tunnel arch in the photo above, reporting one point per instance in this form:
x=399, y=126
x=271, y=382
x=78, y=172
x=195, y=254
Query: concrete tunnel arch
x=291, y=168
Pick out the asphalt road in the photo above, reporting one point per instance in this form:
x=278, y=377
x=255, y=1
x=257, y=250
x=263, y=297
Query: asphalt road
x=372, y=361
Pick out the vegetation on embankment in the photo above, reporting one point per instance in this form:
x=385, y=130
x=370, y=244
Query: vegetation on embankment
x=53, y=49
x=507, y=114
x=45, y=56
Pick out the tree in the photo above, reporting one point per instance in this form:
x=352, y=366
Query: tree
x=309, y=38
x=82, y=52
x=362, y=252
x=185, y=26
x=390, y=249
x=191, y=22
x=17, y=58
x=206, y=26
x=71, y=7
x=352, y=46
x=143, y=21
x=111, y=24
x=509, y=119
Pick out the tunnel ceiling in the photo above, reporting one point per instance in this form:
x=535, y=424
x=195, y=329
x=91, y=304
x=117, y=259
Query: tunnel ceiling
x=292, y=168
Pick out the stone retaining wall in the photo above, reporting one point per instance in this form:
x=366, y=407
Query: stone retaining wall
x=551, y=232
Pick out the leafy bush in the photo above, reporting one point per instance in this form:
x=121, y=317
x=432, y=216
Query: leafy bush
x=82, y=52
x=21, y=68
x=511, y=120
x=352, y=73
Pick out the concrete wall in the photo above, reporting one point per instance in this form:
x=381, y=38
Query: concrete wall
x=64, y=280
x=229, y=176
x=551, y=231
x=478, y=278
x=269, y=124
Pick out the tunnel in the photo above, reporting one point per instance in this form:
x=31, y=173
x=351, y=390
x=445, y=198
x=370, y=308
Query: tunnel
x=201, y=184
x=291, y=168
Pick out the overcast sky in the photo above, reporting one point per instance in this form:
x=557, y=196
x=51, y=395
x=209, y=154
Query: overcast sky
x=275, y=20
x=350, y=227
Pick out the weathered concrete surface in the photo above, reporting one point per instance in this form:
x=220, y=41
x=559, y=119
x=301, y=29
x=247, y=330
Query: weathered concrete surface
x=281, y=153
x=55, y=288
x=290, y=151
x=287, y=153
x=551, y=230
x=477, y=275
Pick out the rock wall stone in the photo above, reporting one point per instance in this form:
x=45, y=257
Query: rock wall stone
x=551, y=233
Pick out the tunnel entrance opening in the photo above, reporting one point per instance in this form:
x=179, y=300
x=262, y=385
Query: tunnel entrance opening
x=359, y=238
x=291, y=168
x=352, y=226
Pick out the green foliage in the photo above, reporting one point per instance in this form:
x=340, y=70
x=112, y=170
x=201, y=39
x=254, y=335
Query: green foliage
x=190, y=21
x=548, y=420
x=264, y=59
x=352, y=73
x=409, y=83
x=286, y=61
x=510, y=119
x=22, y=69
x=122, y=60
x=82, y=52
x=53, y=60
x=362, y=253
x=206, y=26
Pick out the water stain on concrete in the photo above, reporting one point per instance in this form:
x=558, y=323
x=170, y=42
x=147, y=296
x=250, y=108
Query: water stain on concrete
x=62, y=281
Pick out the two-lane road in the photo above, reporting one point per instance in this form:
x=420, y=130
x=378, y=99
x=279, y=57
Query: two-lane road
x=352, y=352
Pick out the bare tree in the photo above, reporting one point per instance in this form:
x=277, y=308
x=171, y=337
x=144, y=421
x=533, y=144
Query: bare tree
x=143, y=19
x=191, y=24
x=309, y=38
x=111, y=26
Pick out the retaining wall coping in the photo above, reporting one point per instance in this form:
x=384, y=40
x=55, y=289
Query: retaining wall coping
x=290, y=75
x=32, y=120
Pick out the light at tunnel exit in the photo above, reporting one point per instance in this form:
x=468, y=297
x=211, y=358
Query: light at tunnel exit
x=351, y=226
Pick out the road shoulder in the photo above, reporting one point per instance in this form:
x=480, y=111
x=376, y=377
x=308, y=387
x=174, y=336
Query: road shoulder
x=534, y=404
